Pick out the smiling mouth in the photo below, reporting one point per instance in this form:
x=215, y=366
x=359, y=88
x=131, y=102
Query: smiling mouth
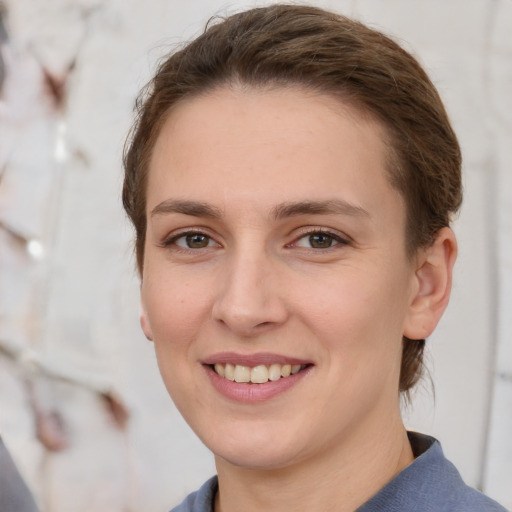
x=257, y=374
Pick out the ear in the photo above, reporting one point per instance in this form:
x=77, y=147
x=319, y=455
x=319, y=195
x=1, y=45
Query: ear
x=144, y=322
x=432, y=285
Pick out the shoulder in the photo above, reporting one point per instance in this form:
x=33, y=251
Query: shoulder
x=200, y=500
x=430, y=484
x=472, y=500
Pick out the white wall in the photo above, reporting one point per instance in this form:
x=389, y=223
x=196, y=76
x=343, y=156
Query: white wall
x=76, y=308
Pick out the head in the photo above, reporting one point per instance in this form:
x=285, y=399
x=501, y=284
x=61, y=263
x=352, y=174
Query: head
x=327, y=54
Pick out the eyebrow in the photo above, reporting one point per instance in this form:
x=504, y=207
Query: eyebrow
x=284, y=210
x=193, y=208
x=329, y=207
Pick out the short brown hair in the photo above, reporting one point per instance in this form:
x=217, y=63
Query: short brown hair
x=331, y=54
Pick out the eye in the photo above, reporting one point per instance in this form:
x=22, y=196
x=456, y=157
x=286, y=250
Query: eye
x=319, y=240
x=191, y=240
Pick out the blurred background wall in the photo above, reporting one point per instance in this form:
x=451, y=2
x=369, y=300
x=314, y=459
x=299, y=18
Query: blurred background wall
x=82, y=408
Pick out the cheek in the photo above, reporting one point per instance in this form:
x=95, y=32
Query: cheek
x=176, y=312
x=354, y=311
x=176, y=308
x=348, y=295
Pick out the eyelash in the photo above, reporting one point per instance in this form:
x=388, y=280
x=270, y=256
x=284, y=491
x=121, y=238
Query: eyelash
x=335, y=239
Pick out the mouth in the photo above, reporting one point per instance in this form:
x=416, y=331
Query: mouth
x=259, y=374
x=254, y=378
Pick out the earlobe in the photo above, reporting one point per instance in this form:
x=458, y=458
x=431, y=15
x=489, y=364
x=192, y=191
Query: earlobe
x=144, y=323
x=433, y=282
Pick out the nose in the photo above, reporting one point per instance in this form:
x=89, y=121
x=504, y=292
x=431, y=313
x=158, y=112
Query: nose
x=250, y=298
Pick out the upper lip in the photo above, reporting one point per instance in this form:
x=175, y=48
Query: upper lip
x=261, y=358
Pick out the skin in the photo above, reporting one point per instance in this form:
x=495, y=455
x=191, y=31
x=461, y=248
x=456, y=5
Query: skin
x=258, y=285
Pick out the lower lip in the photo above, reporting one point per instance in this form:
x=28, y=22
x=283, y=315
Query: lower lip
x=253, y=393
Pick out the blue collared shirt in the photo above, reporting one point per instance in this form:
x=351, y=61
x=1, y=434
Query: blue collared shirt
x=430, y=484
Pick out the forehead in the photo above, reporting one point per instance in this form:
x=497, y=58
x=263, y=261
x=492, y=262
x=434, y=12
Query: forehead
x=284, y=144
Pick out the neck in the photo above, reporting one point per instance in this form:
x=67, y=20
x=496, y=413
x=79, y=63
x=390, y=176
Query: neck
x=340, y=479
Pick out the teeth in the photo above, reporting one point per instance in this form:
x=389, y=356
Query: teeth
x=229, y=372
x=242, y=374
x=220, y=370
x=274, y=372
x=258, y=374
x=295, y=368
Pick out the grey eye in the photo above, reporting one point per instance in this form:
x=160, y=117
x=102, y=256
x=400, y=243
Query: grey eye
x=320, y=241
x=194, y=241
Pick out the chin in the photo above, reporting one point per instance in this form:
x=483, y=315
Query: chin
x=269, y=459
x=250, y=450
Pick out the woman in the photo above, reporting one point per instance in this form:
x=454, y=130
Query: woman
x=291, y=178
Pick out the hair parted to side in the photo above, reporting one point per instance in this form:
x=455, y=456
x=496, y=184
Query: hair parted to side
x=287, y=45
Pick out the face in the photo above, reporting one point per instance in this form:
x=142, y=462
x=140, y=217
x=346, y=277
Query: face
x=276, y=285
